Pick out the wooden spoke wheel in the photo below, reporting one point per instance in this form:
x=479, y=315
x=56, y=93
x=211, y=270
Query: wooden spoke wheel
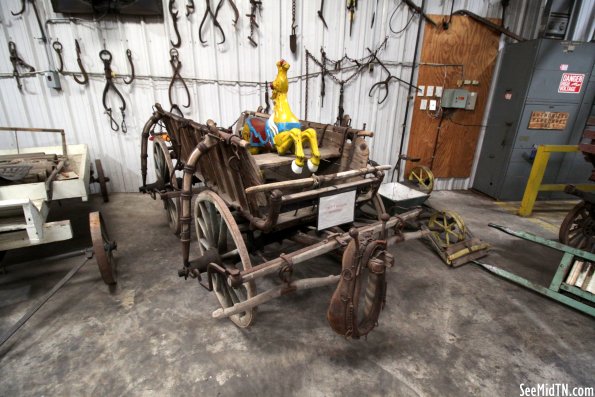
x=371, y=210
x=578, y=228
x=447, y=228
x=102, y=180
x=422, y=177
x=164, y=170
x=103, y=248
x=216, y=229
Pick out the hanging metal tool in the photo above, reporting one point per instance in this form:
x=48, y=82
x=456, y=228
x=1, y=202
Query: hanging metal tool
x=190, y=8
x=132, y=76
x=384, y=84
x=341, y=110
x=236, y=12
x=320, y=13
x=266, y=98
x=213, y=15
x=57, y=46
x=17, y=62
x=254, y=5
x=293, y=36
x=85, y=79
x=322, y=75
x=176, y=65
x=173, y=12
x=106, y=57
x=374, y=14
x=351, y=7
x=22, y=10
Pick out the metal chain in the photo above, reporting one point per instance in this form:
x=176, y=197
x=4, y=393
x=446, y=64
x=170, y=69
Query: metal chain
x=293, y=15
x=307, y=85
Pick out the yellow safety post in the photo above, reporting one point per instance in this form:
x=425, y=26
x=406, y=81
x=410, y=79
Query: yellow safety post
x=534, y=185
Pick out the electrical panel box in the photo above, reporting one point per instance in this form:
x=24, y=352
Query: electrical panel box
x=543, y=95
x=53, y=80
x=454, y=98
x=471, y=100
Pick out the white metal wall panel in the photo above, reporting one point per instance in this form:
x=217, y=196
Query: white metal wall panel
x=78, y=109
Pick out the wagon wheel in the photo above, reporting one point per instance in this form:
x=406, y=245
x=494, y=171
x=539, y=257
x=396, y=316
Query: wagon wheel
x=164, y=169
x=103, y=248
x=422, y=177
x=102, y=180
x=217, y=229
x=372, y=209
x=578, y=228
x=447, y=227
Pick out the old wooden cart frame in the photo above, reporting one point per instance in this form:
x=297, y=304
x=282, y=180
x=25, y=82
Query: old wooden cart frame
x=251, y=200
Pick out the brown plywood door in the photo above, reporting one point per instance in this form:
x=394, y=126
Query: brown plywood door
x=446, y=141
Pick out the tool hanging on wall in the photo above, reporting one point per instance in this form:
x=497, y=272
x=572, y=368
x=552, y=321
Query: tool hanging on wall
x=236, y=12
x=17, y=62
x=176, y=65
x=57, y=46
x=351, y=7
x=384, y=83
x=293, y=36
x=190, y=8
x=85, y=79
x=320, y=13
x=322, y=73
x=173, y=12
x=22, y=10
x=132, y=75
x=361, y=64
x=266, y=98
x=254, y=5
x=106, y=57
x=341, y=109
x=213, y=15
x=374, y=15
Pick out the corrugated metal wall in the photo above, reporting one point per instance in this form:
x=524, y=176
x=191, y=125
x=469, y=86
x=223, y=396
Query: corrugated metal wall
x=211, y=71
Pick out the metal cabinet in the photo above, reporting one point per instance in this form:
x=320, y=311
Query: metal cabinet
x=534, y=103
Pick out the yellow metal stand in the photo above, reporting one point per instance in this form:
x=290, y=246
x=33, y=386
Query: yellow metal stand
x=534, y=185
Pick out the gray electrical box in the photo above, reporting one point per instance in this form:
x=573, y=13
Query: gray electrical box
x=53, y=80
x=454, y=98
x=543, y=95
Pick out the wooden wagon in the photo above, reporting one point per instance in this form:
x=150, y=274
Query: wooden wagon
x=244, y=202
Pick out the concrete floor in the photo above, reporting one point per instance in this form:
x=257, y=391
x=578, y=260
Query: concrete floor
x=445, y=331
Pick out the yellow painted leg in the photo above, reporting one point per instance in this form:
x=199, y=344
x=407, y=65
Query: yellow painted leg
x=286, y=140
x=314, y=161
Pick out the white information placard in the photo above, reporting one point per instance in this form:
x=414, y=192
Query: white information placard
x=336, y=209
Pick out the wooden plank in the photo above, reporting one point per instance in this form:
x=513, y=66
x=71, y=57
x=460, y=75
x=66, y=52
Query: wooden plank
x=52, y=231
x=475, y=46
x=272, y=160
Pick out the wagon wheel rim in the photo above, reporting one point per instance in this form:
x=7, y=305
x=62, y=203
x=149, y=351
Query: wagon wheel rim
x=102, y=180
x=217, y=229
x=172, y=208
x=164, y=166
x=164, y=170
x=578, y=228
x=447, y=227
x=103, y=248
x=423, y=177
x=372, y=210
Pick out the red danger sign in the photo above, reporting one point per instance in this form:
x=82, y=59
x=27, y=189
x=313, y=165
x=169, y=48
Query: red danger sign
x=571, y=83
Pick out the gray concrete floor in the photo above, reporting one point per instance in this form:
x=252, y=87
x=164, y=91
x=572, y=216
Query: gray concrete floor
x=444, y=331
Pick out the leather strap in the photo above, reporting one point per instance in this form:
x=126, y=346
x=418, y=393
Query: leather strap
x=344, y=315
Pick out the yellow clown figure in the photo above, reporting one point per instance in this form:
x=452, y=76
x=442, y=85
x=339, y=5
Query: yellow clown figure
x=283, y=128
